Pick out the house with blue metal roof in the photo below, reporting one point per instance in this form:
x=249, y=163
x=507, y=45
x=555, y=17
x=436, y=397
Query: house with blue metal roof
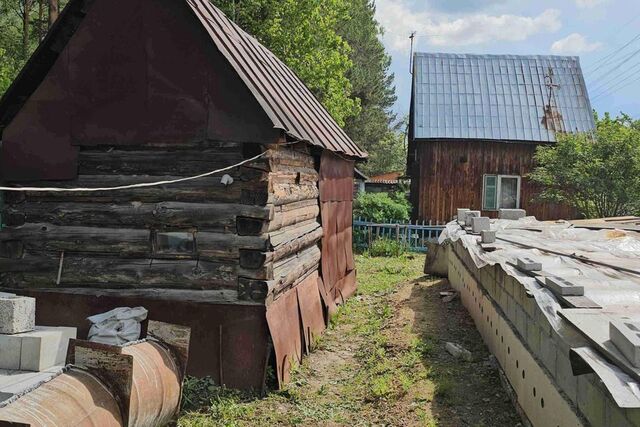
x=474, y=126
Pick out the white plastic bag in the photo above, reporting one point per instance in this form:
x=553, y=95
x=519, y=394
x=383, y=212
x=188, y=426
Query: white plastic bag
x=118, y=326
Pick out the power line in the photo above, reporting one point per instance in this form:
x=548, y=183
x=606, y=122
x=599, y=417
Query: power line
x=616, y=78
x=605, y=58
x=616, y=66
x=617, y=87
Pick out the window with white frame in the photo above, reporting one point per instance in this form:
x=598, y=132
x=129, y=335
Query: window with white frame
x=500, y=192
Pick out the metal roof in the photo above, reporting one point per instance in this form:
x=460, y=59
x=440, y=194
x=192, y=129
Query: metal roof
x=500, y=97
x=286, y=100
x=282, y=95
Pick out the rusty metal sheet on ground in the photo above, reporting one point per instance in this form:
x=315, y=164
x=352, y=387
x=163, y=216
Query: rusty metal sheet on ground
x=283, y=317
x=311, y=311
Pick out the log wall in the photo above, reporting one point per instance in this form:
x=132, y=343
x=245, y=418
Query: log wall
x=257, y=236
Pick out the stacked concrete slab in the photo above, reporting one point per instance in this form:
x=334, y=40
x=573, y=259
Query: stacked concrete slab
x=531, y=352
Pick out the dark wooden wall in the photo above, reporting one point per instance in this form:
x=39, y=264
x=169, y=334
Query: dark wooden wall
x=448, y=174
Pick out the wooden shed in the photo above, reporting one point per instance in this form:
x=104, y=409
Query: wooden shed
x=126, y=92
x=475, y=123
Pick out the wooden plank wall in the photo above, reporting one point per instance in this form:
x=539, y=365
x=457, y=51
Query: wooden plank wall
x=255, y=235
x=448, y=174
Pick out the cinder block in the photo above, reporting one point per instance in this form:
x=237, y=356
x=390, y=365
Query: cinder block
x=561, y=286
x=625, y=335
x=36, y=350
x=512, y=214
x=17, y=314
x=462, y=214
x=480, y=223
x=488, y=236
x=469, y=215
x=591, y=400
x=10, y=352
x=528, y=264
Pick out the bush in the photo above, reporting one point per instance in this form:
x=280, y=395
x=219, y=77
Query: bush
x=382, y=207
x=386, y=247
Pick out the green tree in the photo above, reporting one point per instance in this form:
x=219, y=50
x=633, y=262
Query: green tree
x=374, y=129
x=382, y=207
x=598, y=174
x=302, y=33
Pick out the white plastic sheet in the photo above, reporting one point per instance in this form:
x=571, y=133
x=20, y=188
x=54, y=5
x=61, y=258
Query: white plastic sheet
x=118, y=326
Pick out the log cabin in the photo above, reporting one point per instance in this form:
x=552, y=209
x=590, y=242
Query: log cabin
x=475, y=123
x=125, y=92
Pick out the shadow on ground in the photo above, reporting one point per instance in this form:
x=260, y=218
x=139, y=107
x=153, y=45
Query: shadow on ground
x=466, y=393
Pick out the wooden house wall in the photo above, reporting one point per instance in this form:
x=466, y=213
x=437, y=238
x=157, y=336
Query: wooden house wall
x=448, y=174
x=257, y=235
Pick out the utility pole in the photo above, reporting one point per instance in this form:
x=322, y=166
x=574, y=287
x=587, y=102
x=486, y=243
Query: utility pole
x=411, y=37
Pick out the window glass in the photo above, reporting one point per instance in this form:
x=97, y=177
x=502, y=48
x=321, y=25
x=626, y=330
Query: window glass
x=490, y=192
x=175, y=243
x=508, y=192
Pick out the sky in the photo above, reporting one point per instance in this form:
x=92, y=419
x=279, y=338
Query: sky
x=605, y=34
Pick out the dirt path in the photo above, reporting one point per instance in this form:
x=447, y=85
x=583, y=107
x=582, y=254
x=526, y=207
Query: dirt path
x=382, y=362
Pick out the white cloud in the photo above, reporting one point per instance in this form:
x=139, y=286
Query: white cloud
x=471, y=29
x=574, y=44
x=587, y=4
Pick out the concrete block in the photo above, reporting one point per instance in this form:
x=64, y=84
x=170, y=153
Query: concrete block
x=10, y=352
x=462, y=214
x=469, y=215
x=565, y=379
x=561, y=286
x=509, y=284
x=36, y=350
x=528, y=264
x=625, y=335
x=480, y=223
x=511, y=310
x=512, y=214
x=488, y=236
x=17, y=314
x=591, y=400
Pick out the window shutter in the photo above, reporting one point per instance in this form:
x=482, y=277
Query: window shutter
x=490, y=193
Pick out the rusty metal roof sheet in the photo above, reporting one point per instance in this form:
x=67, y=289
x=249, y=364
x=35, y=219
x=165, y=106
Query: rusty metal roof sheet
x=286, y=100
x=282, y=95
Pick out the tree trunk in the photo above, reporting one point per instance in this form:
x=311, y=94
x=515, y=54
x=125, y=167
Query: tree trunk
x=41, y=27
x=26, y=22
x=53, y=11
